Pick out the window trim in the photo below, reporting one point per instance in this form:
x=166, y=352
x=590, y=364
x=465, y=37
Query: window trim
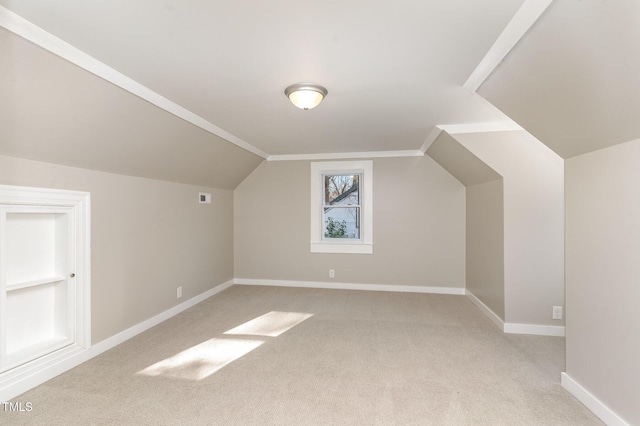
x=318, y=243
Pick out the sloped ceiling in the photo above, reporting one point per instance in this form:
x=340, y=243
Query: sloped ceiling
x=394, y=70
x=574, y=80
x=51, y=110
x=460, y=162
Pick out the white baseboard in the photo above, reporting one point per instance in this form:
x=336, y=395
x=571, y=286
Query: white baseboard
x=486, y=310
x=351, y=286
x=151, y=322
x=539, y=330
x=591, y=402
x=27, y=376
x=514, y=328
x=19, y=380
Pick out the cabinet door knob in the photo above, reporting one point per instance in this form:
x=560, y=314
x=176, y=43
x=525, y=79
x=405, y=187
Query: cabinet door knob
x=72, y=275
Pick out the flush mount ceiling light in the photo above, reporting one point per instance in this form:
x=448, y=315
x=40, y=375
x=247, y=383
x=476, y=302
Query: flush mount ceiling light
x=305, y=95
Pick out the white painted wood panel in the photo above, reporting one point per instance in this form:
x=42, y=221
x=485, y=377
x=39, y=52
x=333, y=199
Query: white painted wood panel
x=44, y=279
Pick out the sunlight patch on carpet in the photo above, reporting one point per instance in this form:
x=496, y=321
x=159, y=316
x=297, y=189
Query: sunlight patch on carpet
x=201, y=361
x=271, y=324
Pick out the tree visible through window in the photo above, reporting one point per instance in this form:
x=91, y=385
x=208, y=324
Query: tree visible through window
x=341, y=206
x=341, y=196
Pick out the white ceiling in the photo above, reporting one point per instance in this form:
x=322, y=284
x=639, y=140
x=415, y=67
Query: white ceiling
x=53, y=111
x=394, y=71
x=574, y=80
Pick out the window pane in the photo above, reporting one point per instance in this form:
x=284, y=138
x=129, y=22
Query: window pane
x=342, y=222
x=341, y=189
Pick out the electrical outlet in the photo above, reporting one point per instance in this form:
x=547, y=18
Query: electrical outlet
x=332, y=273
x=557, y=312
x=179, y=292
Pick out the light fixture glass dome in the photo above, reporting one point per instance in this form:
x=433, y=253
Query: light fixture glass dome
x=305, y=95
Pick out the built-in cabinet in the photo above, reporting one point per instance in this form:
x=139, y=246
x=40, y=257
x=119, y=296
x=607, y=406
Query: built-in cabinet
x=44, y=279
x=38, y=279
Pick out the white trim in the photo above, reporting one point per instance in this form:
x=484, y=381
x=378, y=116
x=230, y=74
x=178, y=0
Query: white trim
x=53, y=44
x=455, y=129
x=349, y=246
x=519, y=25
x=598, y=408
x=433, y=135
x=351, y=286
x=68, y=359
x=24, y=195
x=488, y=127
x=34, y=373
x=346, y=155
x=83, y=269
x=536, y=329
x=127, y=334
x=340, y=247
x=513, y=328
x=486, y=310
x=79, y=204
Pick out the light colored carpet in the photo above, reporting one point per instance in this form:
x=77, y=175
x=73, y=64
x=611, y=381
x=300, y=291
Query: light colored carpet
x=316, y=357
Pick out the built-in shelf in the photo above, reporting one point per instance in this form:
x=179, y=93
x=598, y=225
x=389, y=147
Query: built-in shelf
x=36, y=350
x=36, y=312
x=35, y=283
x=45, y=310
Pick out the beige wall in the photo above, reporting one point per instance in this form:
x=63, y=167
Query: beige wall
x=602, y=274
x=148, y=238
x=485, y=244
x=54, y=111
x=533, y=178
x=418, y=220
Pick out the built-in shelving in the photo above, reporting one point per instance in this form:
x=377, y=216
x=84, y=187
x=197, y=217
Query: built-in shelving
x=35, y=283
x=36, y=350
x=45, y=284
x=37, y=313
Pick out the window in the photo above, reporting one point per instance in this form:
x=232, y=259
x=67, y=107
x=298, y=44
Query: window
x=341, y=207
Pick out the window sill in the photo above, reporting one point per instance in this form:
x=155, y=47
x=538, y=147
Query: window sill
x=347, y=248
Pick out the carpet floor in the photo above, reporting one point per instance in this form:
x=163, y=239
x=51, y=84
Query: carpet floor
x=289, y=356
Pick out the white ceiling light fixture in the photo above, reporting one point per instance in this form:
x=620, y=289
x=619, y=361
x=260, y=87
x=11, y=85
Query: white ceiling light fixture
x=305, y=95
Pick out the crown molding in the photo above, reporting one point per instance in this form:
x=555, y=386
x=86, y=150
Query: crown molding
x=346, y=155
x=433, y=135
x=31, y=32
x=457, y=129
x=515, y=30
x=452, y=129
x=498, y=126
x=522, y=21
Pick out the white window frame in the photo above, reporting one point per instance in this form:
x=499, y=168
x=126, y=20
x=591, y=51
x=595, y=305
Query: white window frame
x=363, y=245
